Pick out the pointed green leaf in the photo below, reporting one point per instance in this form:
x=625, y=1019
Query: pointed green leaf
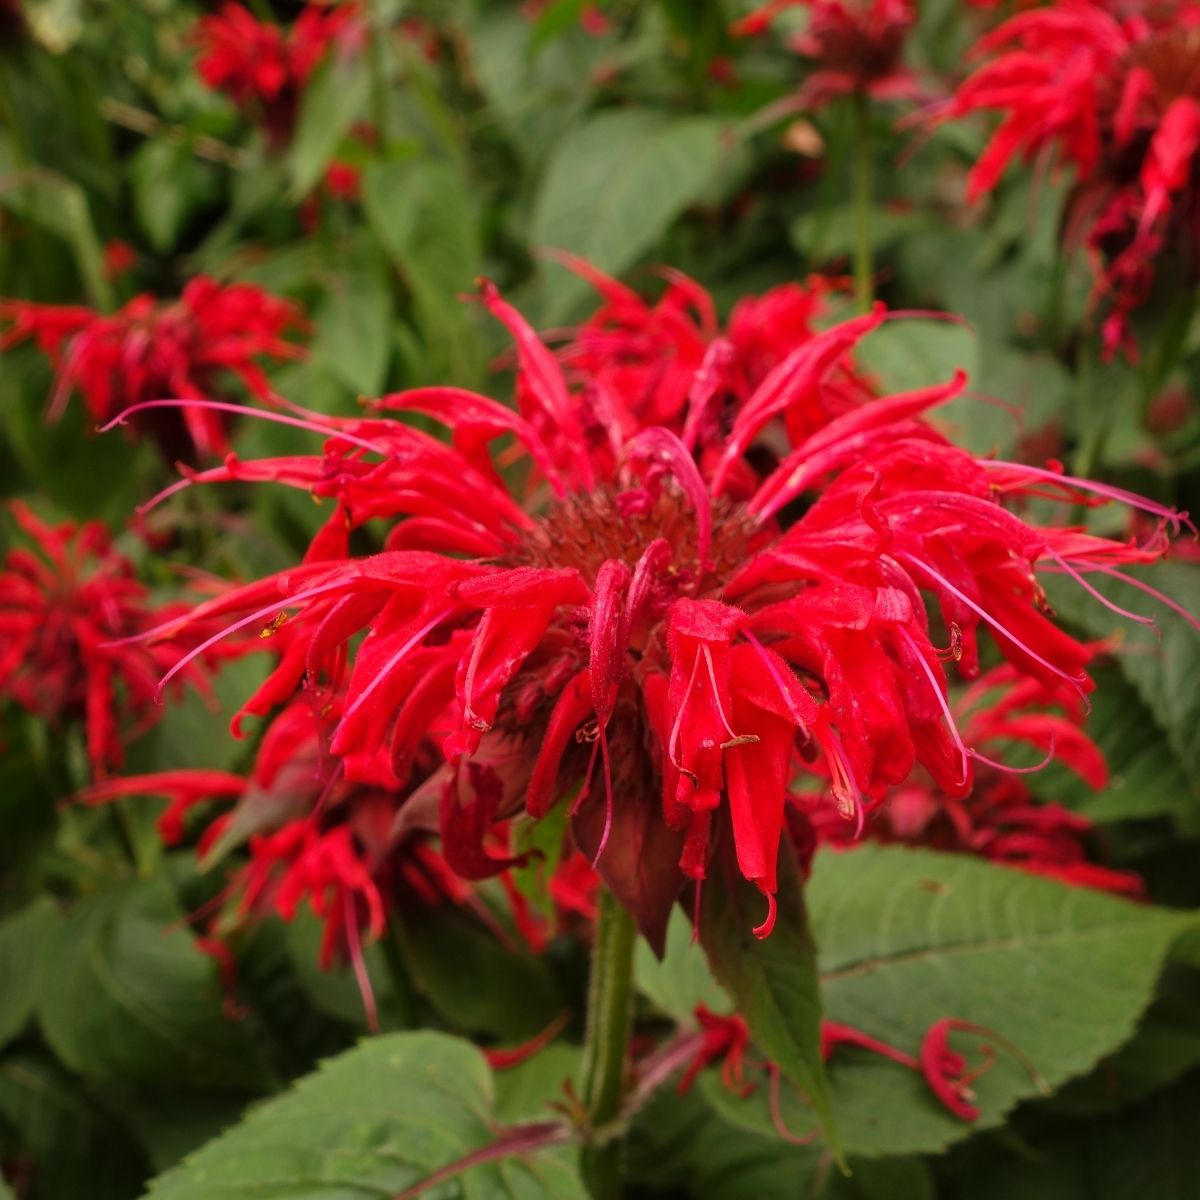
x=372, y=1124
x=127, y=996
x=773, y=980
x=908, y=937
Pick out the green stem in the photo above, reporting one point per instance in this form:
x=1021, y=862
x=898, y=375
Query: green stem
x=606, y=1044
x=862, y=202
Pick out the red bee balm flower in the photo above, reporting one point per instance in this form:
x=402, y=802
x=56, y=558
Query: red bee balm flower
x=264, y=69
x=1116, y=91
x=61, y=609
x=151, y=350
x=635, y=639
x=856, y=44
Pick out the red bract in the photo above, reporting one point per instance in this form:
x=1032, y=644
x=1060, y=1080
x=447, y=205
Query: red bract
x=152, y=350
x=1000, y=820
x=1115, y=93
x=64, y=598
x=648, y=638
x=857, y=46
x=264, y=69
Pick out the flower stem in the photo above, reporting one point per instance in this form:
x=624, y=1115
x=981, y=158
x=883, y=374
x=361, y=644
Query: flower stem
x=862, y=203
x=606, y=1044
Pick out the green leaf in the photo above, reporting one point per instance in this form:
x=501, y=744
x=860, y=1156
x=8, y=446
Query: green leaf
x=61, y=207
x=128, y=997
x=1149, y=1151
x=474, y=981
x=169, y=185
x=1165, y=1046
x=374, y=1122
x=915, y=353
x=74, y=1148
x=908, y=937
x=21, y=939
x=683, y=979
x=352, y=341
x=424, y=215
x=334, y=99
x=612, y=188
x=773, y=980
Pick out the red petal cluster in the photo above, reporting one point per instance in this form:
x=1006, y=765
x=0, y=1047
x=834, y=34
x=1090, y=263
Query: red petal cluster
x=1000, y=820
x=152, y=350
x=658, y=621
x=1114, y=90
x=726, y=1039
x=65, y=598
x=857, y=46
x=264, y=69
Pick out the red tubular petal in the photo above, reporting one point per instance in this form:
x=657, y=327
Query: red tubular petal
x=605, y=645
x=573, y=707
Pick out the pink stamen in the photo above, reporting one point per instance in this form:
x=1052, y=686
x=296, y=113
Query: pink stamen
x=1121, y=495
x=400, y=654
x=1095, y=594
x=736, y=738
x=243, y=410
x=963, y=753
x=220, y=635
x=773, y=1075
x=845, y=787
x=673, y=741
x=1074, y=680
x=778, y=680
x=608, y=799
x=1041, y=766
x=362, y=978
x=1161, y=597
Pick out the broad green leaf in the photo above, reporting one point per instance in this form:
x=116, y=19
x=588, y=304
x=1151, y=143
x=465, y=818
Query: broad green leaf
x=334, y=99
x=914, y=353
x=69, y=1145
x=371, y=1125
x=1165, y=1046
x=424, y=215
x=22, y=936
x=526, y=1091
x=908, y=937
x=537, y=99
x=352, y=341
x=773, y=980
x=614, y=186
x=683, y=979
x=127, y=996
x=476, y=982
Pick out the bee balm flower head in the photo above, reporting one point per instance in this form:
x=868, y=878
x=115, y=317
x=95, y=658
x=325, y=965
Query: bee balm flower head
x=658, y=623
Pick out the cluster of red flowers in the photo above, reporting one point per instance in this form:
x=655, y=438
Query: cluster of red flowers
x=718, y=565
x=726, y=1039
x=264, y=69
x=153, y=350
x=1114, y=90
x=856, y=45
x=1000, y=819
x=65, y=599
